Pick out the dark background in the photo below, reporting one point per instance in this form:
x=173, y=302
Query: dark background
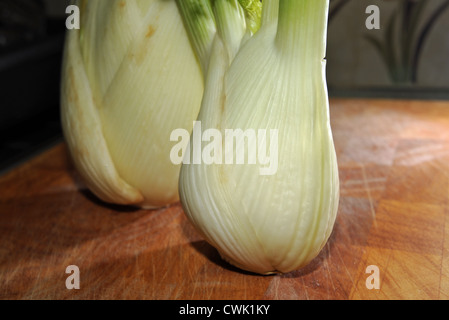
x=31, y=44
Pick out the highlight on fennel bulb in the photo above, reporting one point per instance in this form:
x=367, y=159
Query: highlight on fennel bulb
x=130, y=77
x=271, y=79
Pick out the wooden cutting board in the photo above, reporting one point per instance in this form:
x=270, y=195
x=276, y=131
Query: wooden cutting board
x=393, y=215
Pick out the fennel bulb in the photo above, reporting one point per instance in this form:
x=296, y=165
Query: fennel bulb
x=130, y=77
x=273, y=79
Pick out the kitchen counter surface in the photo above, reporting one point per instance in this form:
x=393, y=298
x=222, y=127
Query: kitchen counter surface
x=394, y=214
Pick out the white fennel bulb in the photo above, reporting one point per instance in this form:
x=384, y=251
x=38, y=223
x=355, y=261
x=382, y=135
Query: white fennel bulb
x=273, y=221
x=130, y=77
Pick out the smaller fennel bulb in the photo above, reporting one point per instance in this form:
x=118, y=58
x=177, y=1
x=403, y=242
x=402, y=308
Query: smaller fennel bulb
x=130, y=77
x=273, y=79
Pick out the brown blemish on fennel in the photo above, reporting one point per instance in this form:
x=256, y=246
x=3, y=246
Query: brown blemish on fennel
x=140, y=53
x=151, y=30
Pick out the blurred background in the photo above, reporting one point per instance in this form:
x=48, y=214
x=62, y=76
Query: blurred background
x=405, y=59
x=31, y=43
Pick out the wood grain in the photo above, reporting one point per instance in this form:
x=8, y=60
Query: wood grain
x=394, y=172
